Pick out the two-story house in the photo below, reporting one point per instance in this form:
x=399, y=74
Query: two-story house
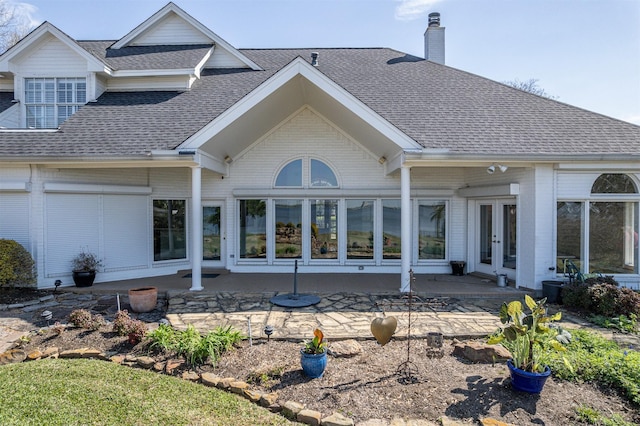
x=170, y=149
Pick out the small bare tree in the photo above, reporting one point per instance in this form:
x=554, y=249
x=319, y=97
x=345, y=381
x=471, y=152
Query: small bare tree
x=13, y=25
x=530, y=86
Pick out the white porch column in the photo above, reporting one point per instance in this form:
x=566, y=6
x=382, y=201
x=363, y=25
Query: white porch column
x=196, y=228
x=405, y=228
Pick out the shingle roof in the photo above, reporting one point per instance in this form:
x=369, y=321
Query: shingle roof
x=444, y=108
x=147, y=57
x=438, y=106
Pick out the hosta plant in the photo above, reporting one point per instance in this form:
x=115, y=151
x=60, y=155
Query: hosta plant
x=528, y=335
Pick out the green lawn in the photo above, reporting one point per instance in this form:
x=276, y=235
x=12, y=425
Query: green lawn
x=90, y=392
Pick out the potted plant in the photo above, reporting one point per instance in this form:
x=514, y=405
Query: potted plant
x=313, y=356
x=528, y=336
x=84, y=267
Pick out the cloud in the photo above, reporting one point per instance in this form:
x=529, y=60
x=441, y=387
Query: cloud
x=409, y=10
x=25, y=11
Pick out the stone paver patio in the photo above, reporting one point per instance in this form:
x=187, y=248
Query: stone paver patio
x=339, y=315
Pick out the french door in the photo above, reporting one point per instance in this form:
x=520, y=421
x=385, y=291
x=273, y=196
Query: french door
x=213, y=240
x=496, y=237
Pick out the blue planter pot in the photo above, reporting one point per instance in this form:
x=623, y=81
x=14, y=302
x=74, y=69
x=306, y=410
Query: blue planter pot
x=527, y=382
x=313, y=365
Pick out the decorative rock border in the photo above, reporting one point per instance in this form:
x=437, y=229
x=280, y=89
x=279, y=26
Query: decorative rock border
x=289, y=409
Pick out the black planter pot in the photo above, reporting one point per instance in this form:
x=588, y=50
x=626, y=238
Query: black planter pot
x=457, y=267
x=552, y=290
x=84, y=278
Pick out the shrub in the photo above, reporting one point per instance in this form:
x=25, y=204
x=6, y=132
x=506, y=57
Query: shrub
x=17, y=267
x=84, y=319
x=601, y=296
x=164, y=337
x=195, y=347
x=596, y=359
x=85, y=261
x=137, y=331
x=629, y=302
x=124, y=325
x=604, y=299
x=576, y=295
x=628, y=324
x=591, y=416
x=80, y=318
x=601, y=279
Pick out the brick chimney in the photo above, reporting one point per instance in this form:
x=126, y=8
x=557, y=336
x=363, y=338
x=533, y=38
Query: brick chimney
x=434, y=40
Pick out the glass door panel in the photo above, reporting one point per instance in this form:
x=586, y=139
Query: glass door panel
x=324, y=229
x=360, y=226
x=487, y=236
x=211, y=241
x=391, y=229
x=253, y=229
x=509, y=245
x=496, y=242
x=288, y=229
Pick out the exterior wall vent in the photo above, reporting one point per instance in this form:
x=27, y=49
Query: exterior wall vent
x=314, y=58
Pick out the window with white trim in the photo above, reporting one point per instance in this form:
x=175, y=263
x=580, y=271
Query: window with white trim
x=318, y=175
x=599, y=234
x=50, y=101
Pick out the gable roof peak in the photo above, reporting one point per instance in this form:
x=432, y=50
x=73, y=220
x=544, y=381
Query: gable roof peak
x=172, y=8
x=43, y=30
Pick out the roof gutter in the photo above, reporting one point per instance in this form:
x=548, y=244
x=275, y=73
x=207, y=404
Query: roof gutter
x=426, y=156
x=445, y=158
x=148, y=160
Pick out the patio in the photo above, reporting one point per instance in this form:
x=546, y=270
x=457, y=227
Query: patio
x=425, y=285
x=456, y=306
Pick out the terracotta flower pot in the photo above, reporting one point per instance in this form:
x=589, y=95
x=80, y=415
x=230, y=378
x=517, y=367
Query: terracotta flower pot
x=143, y=299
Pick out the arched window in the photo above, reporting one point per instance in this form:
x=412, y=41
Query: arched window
x=320, y=175
x=290, y=175
x=614, y=183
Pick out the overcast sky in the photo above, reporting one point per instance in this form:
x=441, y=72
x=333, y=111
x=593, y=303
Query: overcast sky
x=584, y=52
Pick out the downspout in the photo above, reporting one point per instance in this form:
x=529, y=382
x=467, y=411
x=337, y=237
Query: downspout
x=196, y=228
x=405, y=228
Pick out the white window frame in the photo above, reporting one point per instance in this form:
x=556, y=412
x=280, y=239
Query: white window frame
x=37, y=100
x=416, y=230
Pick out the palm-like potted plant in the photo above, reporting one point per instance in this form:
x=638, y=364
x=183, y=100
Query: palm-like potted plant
x=313, y=356
x=84, y=267
x=528, y=336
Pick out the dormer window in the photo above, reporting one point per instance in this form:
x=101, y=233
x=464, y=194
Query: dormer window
x=50, y=101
